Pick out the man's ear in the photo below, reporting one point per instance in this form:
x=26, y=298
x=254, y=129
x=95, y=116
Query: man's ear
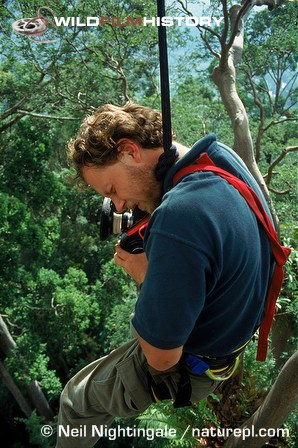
x=129, y=151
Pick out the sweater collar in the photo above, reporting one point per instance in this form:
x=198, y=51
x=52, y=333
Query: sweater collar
x=202, y=145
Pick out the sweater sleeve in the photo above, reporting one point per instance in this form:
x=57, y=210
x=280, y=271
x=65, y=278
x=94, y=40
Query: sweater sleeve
x=173, y=293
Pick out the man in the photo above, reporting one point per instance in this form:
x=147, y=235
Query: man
x=204, y=273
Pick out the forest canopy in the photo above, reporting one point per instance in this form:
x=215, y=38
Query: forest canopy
x=63, y=302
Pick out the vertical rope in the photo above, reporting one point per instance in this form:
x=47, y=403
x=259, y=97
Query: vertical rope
x=164, y=79
x=170, y=154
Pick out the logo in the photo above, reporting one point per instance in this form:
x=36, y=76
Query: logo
x=137, y=21
x=36, y=26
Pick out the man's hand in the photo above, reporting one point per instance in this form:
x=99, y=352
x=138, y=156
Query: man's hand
x=134, y=265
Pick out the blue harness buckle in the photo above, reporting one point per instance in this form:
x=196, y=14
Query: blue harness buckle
x=196, y=364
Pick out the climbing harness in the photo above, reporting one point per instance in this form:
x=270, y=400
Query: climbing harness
x=280, y=253
x=217, y=369
x=222, y=368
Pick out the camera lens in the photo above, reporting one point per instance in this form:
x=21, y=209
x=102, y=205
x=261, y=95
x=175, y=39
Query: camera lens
x=132, y=245
x=106, y=219
x=115, y=223
x=112, y=222
x=121, y=221
x=127, y=220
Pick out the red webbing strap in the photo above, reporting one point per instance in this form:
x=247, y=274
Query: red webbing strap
x=281, y=253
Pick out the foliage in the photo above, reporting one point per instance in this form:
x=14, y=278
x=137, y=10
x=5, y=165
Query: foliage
x=261, y=375
x=62, y=298
x=194, y=119
x=271, y=56
x=38, y=365
x=33, y=425
x=117, y=323
x=98, y=62
x=185, y=422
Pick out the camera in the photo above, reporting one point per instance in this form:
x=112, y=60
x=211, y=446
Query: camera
x=132, y=225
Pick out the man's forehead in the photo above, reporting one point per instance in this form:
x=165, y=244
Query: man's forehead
x=94, y=176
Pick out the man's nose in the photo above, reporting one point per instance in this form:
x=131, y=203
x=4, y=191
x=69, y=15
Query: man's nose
x=120, y=205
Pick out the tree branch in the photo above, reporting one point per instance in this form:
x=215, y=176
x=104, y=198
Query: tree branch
x=10, y=123
x=205, y=40
x=50, y=117
x=280, y=193
x=273, y=123
x=15, y=391
x=12, y=110
x=259, y=105
x=274, y=410
x=35, y=394
x=203, y=27
x=224, y=76
x=277, y=160
x=236, y=25
x=226, y=21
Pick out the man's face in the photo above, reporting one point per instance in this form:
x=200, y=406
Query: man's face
x=128, y=185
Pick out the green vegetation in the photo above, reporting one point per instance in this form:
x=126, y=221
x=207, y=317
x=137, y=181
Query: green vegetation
x=62, y=299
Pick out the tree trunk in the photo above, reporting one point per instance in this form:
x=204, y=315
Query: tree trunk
x=34, y=392
x=272, y=413
x=224, y=76
x=15, y=391
x=6, y=341
x=39, y=401
x=283, y=329
x=225, y=79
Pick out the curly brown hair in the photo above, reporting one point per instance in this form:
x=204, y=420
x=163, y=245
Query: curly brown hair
x=96, y=141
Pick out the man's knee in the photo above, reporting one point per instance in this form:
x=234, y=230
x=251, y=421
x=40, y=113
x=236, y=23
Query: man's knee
x=66, y=404
x=73, y=403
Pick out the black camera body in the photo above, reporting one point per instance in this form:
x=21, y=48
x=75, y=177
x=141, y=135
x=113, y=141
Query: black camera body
x=132, y=225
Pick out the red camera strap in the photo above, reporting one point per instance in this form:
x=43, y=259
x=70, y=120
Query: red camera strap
x=139, y=227
x=281, y=253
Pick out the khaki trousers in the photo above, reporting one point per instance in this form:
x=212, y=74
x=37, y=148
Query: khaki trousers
x=114, y=386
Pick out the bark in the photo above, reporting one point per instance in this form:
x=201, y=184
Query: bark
x=33, y=390
x=276, y=407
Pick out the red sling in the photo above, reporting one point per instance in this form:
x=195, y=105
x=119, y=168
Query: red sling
x=280, y=253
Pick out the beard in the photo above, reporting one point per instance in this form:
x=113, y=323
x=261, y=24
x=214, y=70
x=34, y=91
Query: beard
x=148, y=189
